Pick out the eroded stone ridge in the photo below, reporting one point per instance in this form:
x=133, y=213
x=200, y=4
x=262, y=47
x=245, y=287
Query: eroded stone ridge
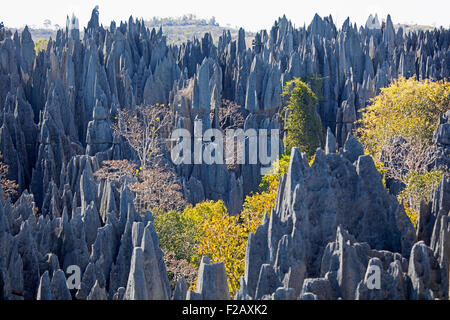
x=55, y=131
x=334, y=224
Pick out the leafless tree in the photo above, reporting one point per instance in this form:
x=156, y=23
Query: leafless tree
x=115, y=170
x=157, y=189
x=155, y=184
x=179, y=268
x=230, y=115
x=400, y=157
x=231, y=118
x=9, y=187
x=144, y=129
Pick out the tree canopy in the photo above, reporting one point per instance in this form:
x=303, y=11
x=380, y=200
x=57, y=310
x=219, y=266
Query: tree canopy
x=301, y=121
x=407, y=108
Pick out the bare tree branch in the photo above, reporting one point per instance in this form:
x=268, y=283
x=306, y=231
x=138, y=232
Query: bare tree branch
x=144, y=129
x=230, y=115
x=9, y=187
x=400, y=157
x=115, y=170
x=157, y=189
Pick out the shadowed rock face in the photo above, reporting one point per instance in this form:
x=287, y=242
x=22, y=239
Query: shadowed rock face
x=119, y=258
x=212, y=281
x=55, y=132
x=333, y=224
x=438, y=156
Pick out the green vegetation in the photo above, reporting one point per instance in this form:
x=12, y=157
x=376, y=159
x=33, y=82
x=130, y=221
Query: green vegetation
x=208, y=229
x=407, y=108
x=410, y=110
x=302, y=123
x=177, y=234
x=40, y=45
x=418, y=188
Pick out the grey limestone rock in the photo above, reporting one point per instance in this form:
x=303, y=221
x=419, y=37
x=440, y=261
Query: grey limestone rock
x=99, y=136
x=180, y=290
x=393, y=283
x=438, y=156
x=97, y=293
x=148, y=278
x=192, y=295
x=44, y=291
x=267, y=282
x=119, y=295
x=317, y=289
x=428, y=280
x=136, y=287
x=90, y=276
x=59, y=290
x=154, y=269
x=56, y=109
x=330, y=146
x=212, y=281
x=311, y=204
x=353, y=149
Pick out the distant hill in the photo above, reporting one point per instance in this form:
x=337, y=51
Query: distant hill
x=37, y=34
x=414, y=27
x=177, y=30
x=180, y=34
x=181, y=29
x=373, y=22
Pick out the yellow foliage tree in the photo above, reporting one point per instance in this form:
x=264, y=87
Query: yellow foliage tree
x=219, y=236
x=418, y=188
x=40, y=45
x=407, y=108
x=225, y=240
x=263, y=202
x=223, y=237
x=410, y=110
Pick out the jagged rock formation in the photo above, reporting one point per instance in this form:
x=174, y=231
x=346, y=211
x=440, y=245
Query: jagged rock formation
x=333, y=224
x=60, y=104
x=56, y=110
x=122, y=252
x=211, y=283
x=373, y=22
x=438, y=156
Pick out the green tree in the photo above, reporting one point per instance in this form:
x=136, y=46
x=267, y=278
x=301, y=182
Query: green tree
x=178, y=234
x=301, y=120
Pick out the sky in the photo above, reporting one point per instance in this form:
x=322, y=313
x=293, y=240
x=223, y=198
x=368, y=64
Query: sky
x=252, y=15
